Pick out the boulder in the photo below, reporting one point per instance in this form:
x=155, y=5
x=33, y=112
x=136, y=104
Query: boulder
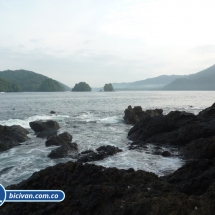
x=52, y=112
x=47, y=133
x=39, y=126
x=166, y=154
x=101, y=153
x=11, y=136
x=65, y=150
x=59, y=140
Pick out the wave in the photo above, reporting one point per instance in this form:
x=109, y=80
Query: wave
x=25, y=122
x=89, y=117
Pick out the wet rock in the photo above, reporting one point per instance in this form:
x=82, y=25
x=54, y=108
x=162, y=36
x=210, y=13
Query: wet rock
x=133, y=115
x=137, y=145
x=65, y=150
x=194, y=178
x=52, y=112
x=200, y=149
x=166, y=154
x=39, y=126
x=59, y=140
x=91, y=189
x=176, y=128
x=11, y=136
x=101, y=153
x=208, y=112
x=47, y=133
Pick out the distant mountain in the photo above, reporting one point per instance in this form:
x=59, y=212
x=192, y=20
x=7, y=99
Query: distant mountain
x=27, y=80
x=147, y=84
x=204, y=80
x=6, y=86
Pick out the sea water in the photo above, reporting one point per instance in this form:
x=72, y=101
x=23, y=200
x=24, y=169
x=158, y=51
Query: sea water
x=93, y=119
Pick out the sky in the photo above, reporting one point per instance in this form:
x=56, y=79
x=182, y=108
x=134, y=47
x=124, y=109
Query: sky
x=108, y=41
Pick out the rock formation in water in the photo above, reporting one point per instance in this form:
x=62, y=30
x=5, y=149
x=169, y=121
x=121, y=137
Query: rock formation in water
x=11, y=136
x=133, y=115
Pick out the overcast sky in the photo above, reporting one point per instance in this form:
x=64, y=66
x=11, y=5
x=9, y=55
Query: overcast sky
x=102, y=41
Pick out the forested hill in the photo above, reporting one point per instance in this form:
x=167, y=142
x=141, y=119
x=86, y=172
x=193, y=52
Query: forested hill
x=30, y=81
x=6, y=86
x=204, y=80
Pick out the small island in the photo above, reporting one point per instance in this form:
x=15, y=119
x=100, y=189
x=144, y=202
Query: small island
x=81, y=87
x=108, y=87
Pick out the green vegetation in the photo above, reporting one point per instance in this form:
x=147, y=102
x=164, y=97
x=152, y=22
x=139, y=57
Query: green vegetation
x=108, y=87
x=81, y=87
x=50, y=85
x=27, y=80
x=6, y=86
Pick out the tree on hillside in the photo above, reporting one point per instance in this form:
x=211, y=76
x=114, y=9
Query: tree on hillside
x=50, y=85
x=6, y=86
x=108, y=87
x=81, y=87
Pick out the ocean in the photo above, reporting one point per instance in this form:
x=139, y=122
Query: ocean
x=93, y=119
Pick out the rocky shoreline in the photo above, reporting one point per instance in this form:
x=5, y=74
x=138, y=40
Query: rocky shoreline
x=91, y=189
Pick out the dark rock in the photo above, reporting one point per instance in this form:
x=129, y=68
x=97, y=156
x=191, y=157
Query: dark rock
x=176, y=128
x=200, y=149
x=39, y=126
x=52, y=112
x=208, y=112
x=64, y=151
x=11, y=136
x=47, y=133
x=91, y=189
x=153, y=113
x=102, y=152
x=166, y=154
x=137, y=145
x=130, y=116
x=194, y=178
x=59, y=140
x=133, y=115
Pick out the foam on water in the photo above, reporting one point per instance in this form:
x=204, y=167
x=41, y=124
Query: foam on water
x=142, y=161
x=25, y=122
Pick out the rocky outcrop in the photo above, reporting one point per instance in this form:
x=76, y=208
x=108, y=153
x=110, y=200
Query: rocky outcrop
x=133, y=115
x=45, y=129
x=91, y=189
x=203, y=148
x=11, y=136
x=65, y=150
x=208, y=112
x=39, y=126
x=61, y=139
x=66, y=147
x=101, y=153
x=194, y=178
x=175, y=128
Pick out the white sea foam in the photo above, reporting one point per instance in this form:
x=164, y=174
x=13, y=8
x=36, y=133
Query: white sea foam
x=111, y=120
x=25, y=122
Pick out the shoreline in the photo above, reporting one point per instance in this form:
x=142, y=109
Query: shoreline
x=92, y=189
